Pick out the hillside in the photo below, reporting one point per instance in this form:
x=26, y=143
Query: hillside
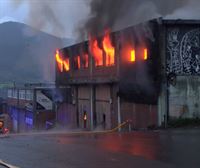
x=26, y=54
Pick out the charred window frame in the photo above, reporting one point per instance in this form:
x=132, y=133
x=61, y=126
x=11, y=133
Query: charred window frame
x=97, y=53
x=85, y=60
x=76, y=62
x=63, y=65
x=66, y=62
x=85, y=56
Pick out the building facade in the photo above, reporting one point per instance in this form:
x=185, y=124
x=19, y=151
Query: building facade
x=147, y=74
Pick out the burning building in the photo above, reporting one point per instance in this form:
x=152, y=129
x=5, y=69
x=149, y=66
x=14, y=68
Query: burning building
x=145, y=73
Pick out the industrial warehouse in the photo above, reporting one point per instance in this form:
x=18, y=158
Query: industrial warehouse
x=147, y=74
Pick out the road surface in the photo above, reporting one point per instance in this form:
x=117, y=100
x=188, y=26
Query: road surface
x=143, y=149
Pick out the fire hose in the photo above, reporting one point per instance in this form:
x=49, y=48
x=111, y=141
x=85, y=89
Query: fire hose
x=105, y=131
x=75, y=132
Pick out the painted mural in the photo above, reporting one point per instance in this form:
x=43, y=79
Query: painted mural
x=183, y=51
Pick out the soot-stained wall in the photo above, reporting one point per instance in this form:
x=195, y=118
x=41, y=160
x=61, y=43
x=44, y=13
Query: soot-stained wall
x=140, y=81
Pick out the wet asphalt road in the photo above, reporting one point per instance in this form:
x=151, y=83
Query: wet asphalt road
x=145, y=149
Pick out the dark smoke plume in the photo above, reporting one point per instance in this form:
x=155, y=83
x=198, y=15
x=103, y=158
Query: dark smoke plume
x=41, y=15
x=117, y=14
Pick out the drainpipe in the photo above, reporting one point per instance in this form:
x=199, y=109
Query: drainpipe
x=118, y=112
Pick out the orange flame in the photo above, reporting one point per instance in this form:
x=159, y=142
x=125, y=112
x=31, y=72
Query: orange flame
x=109, y=50
x=77, y=61
x=59, y=61
x=96, y=52
x=132, y=55
x=85, y=61
x=62, y=62
x=66, y=64
x=145, y=54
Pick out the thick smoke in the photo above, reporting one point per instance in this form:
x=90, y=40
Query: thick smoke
x=42, y=16
x=57, y=17
x=117, y=14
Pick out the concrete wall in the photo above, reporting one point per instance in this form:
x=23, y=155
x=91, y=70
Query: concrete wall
x=184, y=97
x=183, y=60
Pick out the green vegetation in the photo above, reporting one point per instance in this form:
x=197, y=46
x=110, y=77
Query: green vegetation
x=184, y=122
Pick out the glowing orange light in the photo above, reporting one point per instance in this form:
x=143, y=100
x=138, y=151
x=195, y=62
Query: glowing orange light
x=133, y=55
x=62, y=63
x=85, y=117
x=66, y=64
x=96, y=52
x=77, y=62
x=145, y=54
x=85, y=61
x=109, y=50
x=59, y=61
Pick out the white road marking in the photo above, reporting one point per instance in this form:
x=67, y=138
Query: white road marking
x=6, y=164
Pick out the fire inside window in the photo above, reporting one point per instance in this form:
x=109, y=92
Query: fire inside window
x=96, y=52
x=59, y=61
x=109, y=50
x=77, y=62
x=85, y=61
x=63, y=64
x=66, y=64
x=133, y=55
x=145, y=54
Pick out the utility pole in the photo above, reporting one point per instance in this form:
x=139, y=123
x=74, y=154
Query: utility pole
x=18, y=111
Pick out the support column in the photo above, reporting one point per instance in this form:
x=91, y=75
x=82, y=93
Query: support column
x=91, y=106
x=118, y=112
x=163, y=106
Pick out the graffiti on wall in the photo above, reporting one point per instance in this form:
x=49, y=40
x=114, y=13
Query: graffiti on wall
x=183, y=51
